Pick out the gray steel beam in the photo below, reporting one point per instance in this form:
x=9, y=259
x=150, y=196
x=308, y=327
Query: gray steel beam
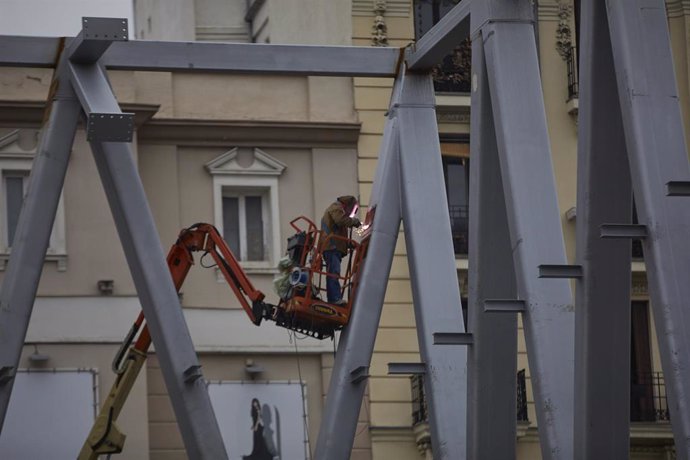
x=42, y=52
x=32, y=237
x=344, y=399
x=95, y=37
x=144, y=253
x=440, y=40
x=657, y=154
x=602, y=310
x=434, y=278
x=534, y=220
x=492, y=364
x=231, y=58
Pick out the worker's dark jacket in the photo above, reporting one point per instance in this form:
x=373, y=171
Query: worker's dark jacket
x=336, y=222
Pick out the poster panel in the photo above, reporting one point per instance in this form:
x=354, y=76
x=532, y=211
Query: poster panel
x=260, y=421
x=49, y=415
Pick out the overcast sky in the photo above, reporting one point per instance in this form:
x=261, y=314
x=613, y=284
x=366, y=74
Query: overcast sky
x=57, y=18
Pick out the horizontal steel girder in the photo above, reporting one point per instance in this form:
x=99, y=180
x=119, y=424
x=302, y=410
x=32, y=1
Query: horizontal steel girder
x=243, y=58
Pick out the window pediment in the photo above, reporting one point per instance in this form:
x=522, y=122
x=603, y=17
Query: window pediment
x=245, y=161
x=19, y=144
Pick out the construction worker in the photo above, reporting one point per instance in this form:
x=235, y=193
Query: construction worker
x=339, y=216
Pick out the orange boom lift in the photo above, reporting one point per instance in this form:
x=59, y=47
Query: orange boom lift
x=300, y=307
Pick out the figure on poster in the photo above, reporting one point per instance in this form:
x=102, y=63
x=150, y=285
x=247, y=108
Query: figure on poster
x=273, y=446
x=259, y=449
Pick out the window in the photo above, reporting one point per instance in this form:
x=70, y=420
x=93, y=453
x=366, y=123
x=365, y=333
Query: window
x=454, y=72
x=456, y=172
x=244, y=219
x=17, y=149
x=245, y=189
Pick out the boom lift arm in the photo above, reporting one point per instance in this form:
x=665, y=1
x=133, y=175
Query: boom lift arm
x=105, y=437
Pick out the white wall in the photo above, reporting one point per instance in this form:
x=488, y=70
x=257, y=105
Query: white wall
x=57, y=18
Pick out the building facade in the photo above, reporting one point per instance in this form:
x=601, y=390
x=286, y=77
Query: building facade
x=249, y=153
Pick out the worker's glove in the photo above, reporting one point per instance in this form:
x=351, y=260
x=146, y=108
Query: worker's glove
x=357, y=223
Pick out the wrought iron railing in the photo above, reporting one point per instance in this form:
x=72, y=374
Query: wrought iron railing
x=522, y=397
x=459, y=220
x=573, y=80
x=648, y=402
x=419, y=406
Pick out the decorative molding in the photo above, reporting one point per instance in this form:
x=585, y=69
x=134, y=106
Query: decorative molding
x=261, y=164
x=548, y=10
x=379, y=31
x=236, y=34
x=564, y=35
x=639, y=284
x=394, y=8
x=29, y=114
x=391, y=434
x=677, y=8
x=453, y=116
x=422, y=437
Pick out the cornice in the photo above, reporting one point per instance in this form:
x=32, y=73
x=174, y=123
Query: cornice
x=29, y=114
x=399, y=8
x=200, y=132
x=677, y=8
x=303, y=134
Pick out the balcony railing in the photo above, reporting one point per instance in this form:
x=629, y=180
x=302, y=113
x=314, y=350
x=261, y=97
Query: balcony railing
x=419, y=405
x=459, y=219
x=573, y=80
x=648, y=401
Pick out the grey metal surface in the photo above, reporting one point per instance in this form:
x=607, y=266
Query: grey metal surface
x=560, y=271
x=492, y=361
x=344, y=399
x=434, y=278
x=406, y=368
x=657, y=155
x=440, y=40
x=503, y=305
x=678, y=188
x=453, y=338
x=534, y=220
x=232, y=58
x=158, y=297
x=625, y=231
x=32, y=237
x=602, y=309
x=110, y=127
x=18, y=51
x=95, y=37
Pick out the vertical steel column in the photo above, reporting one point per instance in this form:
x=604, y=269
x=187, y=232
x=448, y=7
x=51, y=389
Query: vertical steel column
x=657, y=154
x=435, y=287
x=602, y=312
x=351, y=368
x=533, y=218
x=159, y=300
x=33, y=230
x=491, y=372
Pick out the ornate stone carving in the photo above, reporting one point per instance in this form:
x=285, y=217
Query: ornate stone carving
x=564, y=34
x=379, y=33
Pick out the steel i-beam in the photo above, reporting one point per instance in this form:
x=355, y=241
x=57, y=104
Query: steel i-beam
x=492, y=365
x=348, y=380
x=144, y=254
x=602, y=311
x=533, y=214
x=434, y=279
x=32, y=237
x=657, y=154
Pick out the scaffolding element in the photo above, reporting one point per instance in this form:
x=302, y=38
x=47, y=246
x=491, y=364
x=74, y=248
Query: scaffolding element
x=602, y=311
x=108, y=131
x=649, y=111
x=512, y=187
x=492, y=364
